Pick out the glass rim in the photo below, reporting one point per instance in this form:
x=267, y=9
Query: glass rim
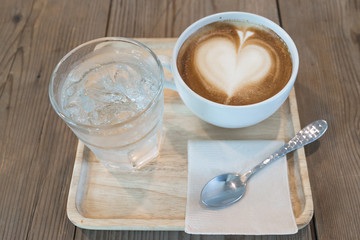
x=70, y=121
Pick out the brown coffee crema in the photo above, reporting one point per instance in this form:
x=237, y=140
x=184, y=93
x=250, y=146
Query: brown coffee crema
x=235, y=62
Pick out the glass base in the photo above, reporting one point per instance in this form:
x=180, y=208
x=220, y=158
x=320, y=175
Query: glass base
x=133, y=156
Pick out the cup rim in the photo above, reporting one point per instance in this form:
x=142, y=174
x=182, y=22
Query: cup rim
x=70, y=121
x=223, y=16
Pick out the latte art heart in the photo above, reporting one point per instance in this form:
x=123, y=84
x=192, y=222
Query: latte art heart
x=234, y=62
x=228, y=67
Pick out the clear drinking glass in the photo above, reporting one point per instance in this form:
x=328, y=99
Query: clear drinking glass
x=109, y=91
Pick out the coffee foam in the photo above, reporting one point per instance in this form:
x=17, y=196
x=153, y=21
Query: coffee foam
x=236, y=63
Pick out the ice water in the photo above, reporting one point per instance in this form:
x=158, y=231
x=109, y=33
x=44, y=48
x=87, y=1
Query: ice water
x=116, y=95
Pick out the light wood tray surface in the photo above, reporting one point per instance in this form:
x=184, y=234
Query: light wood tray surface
x=154, y=198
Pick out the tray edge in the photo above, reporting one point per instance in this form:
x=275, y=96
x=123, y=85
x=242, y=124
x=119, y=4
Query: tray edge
x=308, y=211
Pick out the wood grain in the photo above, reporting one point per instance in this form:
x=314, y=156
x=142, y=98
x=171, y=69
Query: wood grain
x=37, y=150
x=327, y=34
x=82, y=234
x=147, y=19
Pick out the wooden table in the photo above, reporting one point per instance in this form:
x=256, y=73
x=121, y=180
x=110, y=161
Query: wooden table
x=37, y=149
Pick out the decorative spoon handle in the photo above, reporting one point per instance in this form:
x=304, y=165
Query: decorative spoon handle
x=305, y=136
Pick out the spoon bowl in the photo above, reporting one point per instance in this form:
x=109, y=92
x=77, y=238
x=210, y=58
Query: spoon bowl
x=223, y=190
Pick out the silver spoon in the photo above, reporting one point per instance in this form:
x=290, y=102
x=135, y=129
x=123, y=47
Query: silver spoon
x=229, y=188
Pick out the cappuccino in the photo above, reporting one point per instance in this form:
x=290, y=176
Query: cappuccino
x=235, y=62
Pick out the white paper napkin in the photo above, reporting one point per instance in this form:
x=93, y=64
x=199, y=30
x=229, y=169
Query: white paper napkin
x=266, y=206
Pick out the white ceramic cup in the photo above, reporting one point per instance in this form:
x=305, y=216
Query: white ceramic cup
x=229, y=116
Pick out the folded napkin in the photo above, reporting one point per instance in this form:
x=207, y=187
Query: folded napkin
x=266, y=206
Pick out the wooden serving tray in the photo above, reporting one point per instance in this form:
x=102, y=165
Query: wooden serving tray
x=154, y=198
